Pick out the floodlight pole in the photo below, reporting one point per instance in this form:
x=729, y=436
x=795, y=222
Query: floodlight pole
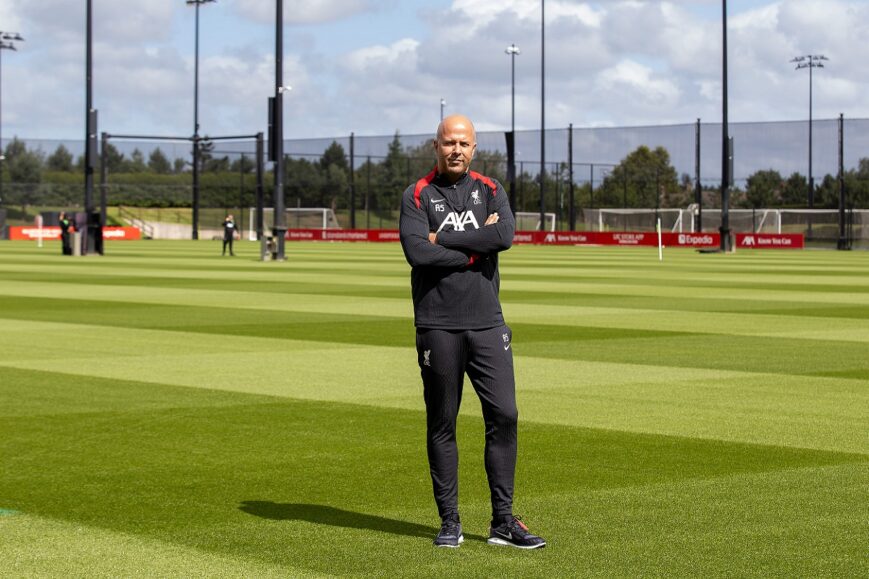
x=195, y=227
x=93, y=231
x=443, y=104
x=571, y=202
x=843, y=242
x=280, y=222
x=698, y=187
x=512, y=51
x=725, y=144
x=810, y=61
x=7, y=42
x=542, y=114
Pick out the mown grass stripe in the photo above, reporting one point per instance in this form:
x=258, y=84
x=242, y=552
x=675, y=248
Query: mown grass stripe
x=668, y=411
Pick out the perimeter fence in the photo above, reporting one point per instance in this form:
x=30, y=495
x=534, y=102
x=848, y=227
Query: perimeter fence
x=361, y=178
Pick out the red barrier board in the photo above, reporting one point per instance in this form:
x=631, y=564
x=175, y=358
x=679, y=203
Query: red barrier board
x=342, y=235
x=31, y=233
x=617, y=238
x=770, y=241
x=630, y=238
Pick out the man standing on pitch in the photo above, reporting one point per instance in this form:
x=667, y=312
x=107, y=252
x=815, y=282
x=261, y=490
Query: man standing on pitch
x=65, y=227
x=229, y=230
x=453, y=224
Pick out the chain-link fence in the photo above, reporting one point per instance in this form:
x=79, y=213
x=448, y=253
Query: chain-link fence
x=361, y=178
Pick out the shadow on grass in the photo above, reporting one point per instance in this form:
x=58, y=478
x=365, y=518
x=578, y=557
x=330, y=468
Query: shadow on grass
x=326, y=515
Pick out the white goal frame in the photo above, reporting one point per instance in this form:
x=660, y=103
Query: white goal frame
x=327, y=219
x=651, y=212
x=550, y=219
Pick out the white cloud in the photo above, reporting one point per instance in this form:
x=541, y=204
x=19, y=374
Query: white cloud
x=303, y=11
x=369, y=59
x=630, y=81
x=612, y=62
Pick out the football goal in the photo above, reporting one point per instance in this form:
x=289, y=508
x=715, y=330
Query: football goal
x=633, y=219
x=297, y=218
x=528, y=221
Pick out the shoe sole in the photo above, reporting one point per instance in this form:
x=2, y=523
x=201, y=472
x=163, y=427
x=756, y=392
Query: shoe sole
x=461, y=540
x=503, y=543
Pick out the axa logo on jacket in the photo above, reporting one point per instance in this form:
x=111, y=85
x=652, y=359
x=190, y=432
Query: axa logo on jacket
x=459, y=221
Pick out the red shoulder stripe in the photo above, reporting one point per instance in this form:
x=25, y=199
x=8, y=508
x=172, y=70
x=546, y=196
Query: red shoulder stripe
x=422, y=184
x=485, y=180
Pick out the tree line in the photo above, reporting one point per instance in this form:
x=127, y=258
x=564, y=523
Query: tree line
x=644, y=178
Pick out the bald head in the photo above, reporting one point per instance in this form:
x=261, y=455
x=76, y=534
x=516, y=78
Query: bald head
x=454, y=145
x=457, y=122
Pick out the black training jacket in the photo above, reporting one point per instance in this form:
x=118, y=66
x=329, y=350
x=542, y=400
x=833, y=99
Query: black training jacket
x=455, y=282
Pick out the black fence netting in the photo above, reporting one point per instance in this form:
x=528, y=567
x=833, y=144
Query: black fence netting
x=360, y=179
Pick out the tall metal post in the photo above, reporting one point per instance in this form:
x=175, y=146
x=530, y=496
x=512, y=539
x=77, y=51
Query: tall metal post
x=90, y=241
x=571, y=207
x=367, y=192
x=512, y=50
x=88, y=161
x=698, y=188
x=811, y=175
x=352, y=182
x=195, y=228
x=104, y=176
x=196, y=139
x=725, y=143
x=810, y=61
x=280, y=226
x=260, y=193
x=7, y=42
x=542, y=114
x=3, y=46
x=843, y=238
x=2, y=150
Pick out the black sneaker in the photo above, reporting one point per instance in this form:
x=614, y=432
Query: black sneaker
x=514, y=533
x=450, y=534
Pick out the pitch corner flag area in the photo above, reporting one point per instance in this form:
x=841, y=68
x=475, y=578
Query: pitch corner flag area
x=169, y=412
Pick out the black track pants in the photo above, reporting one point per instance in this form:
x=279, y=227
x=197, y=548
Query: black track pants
x=487, y=358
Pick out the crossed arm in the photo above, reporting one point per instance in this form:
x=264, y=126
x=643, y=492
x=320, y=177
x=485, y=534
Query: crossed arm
x=414, y=234
x=453, y=248
x=495, y=235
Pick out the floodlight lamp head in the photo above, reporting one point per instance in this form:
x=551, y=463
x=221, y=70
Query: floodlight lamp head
x=512, y=49
x=283, y=89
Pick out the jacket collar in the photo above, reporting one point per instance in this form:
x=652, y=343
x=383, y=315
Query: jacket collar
x=441, y=180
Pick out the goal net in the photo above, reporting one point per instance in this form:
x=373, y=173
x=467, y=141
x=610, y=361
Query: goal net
x=741, y=220
x=297, y=218
x=528, y=221
x=634, y=219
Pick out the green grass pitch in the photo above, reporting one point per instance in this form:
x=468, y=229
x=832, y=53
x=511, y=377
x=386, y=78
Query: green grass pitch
x=165, y=411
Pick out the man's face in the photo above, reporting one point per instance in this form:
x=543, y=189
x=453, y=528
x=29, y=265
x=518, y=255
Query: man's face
x=454, y=148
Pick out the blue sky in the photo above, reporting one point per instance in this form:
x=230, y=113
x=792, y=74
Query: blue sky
x=374, y=67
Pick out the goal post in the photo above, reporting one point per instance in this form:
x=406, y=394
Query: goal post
x=530, y=221
x=296, y=218
x=638, y=219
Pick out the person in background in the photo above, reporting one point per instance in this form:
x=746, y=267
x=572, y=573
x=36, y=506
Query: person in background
x=229, y=231
x=65, y=229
